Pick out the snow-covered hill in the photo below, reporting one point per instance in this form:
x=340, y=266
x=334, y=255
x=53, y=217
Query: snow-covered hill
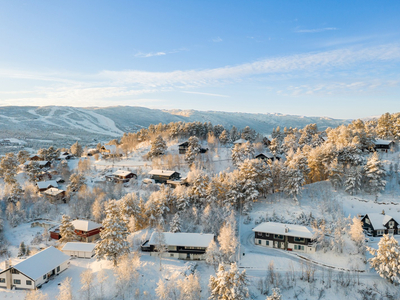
x=56, y=123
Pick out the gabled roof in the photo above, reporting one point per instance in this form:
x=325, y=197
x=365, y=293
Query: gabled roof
x=161, y=172
x=383, y=142
x=42, y=263
x=53, y=191
x=184, y=239
x=240, y=141
x=267, y=154
x=77, y=246
x=184, y=144
x=121, y=173
x=279, y=228
x=46, y=184
x=85, y=225
x=378, y=221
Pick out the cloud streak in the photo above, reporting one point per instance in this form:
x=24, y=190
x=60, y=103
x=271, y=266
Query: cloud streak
x=315, y=30
x=150, y=54
x=206, y=94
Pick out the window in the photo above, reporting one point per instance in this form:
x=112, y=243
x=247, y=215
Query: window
x=17, y=281
x=380, y=232
x=267, y=243
x=58, y=269
x=367, y=221
x=266, y=234
x=298, y=247
x=44, y=276
x=297, y=239
x=278, y=236
x=259, y=242
x=171, y=255
x=14, y=271
x=28, y=282
x=391, y=224
x=2, y=280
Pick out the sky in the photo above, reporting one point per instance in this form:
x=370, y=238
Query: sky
x=338, y=59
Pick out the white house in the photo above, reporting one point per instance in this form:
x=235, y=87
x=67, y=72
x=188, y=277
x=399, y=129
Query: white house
x=35, y=270
x=284, y=236
x=44, y=185
x=180, y=245
x=82, y=250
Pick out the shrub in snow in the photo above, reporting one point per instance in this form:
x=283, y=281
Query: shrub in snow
x=386, y=260
x=158, y=147
x=276, y=294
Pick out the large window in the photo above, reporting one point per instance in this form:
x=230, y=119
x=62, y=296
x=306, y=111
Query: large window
x=2, y=280
x=267, y=243
x=278, y=236
x=380, y=232
x=44, y=276
x=298, y=247
x=297, y=239
x=28, y=282
x=367, y=221
x=58, y=269
x=17, y=281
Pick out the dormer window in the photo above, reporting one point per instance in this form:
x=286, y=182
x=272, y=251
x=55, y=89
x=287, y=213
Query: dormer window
x=367, y=221
x=391, y=224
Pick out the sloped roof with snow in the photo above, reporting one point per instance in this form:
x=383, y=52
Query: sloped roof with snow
x=378, y=221
x=279, y=228
x=85, y=225
x=161, y=172
x=122, y=173
x=76, y=246
x=111, y=148
x=383, y=142
x=266, y=154
x=184, y=239
x=53, y=191
x=42, y=263
x=47, y=184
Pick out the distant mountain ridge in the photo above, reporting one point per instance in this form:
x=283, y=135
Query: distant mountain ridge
x=103, y=123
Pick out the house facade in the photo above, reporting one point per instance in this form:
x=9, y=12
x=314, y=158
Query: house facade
x=267, y=157
x=55, y=195
x=384, y=145
x=34, y=271
x=284, y=236
x=44, y=185
x=80, y=250
x=190, y=246
x=376, y=224
x=86, y=231
x=121, y=176
x=162, y=176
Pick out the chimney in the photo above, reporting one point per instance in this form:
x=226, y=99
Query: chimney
x=383, y=212
x=286, y=229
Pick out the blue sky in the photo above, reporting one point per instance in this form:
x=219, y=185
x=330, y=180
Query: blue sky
x=337, y=59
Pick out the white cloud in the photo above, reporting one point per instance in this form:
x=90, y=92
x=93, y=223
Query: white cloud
x=315, y=30
x=206, y=94
x=150, y=54
x=217, y=40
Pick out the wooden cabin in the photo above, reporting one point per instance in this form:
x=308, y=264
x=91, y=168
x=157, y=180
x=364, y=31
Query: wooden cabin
x=162, y=176
x=86, y=231
x=184, y=147
x=284, y=236
x=383, y=145
x=55, y=195
x=44, y=185
x=121, y=176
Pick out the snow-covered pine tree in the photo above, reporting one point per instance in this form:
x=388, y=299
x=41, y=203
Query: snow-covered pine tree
x=21, y=249
x=375, y=174
x=224, y=137
x=229, y=284
x=76, y=149
x=76, y=181
x=175, y=223
x=386, y=259
x=32, y=170
x=276, y=294
x=112, y=243
x=357, y=234
x=335, y=174
x=293, y=182
x=237, y=155
x=158, y=147
x=337, y=243
x=67, y=230
x=228, y=242
x=319, y=236
x=129, y=207
x=193, y=150
x=213, y=255
x=353, y=180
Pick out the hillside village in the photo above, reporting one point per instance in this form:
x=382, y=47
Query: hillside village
x=198, y=211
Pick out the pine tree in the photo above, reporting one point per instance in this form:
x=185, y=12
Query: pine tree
x=193, y=150
x=158, y=147
x=224, y=137
x=335, y=174
x=293, y=182
x=375, y=174
x=112, y=243
x=213, y=255
x=76, y=149
x=276, y=294
x=32, y=170
x=386, y=259
x=228, y=242
x=357, y=234
x=77, y=181
x=67, y=230
x=353, y=180
x=229, y=284
x=21, y=249
x=176, y=224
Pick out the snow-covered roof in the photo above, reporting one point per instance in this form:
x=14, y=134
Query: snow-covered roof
x=240, y=141
x=161, y=172
x=267, y=154
x=184, y=239
x=85, y=225
x=42, y=263
x=122, y=173
x=47, y=184
x=378, y=221
x=76, y=246
x=111, y=148
x=53, y=191
x=383, y=142
x=279, y=228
